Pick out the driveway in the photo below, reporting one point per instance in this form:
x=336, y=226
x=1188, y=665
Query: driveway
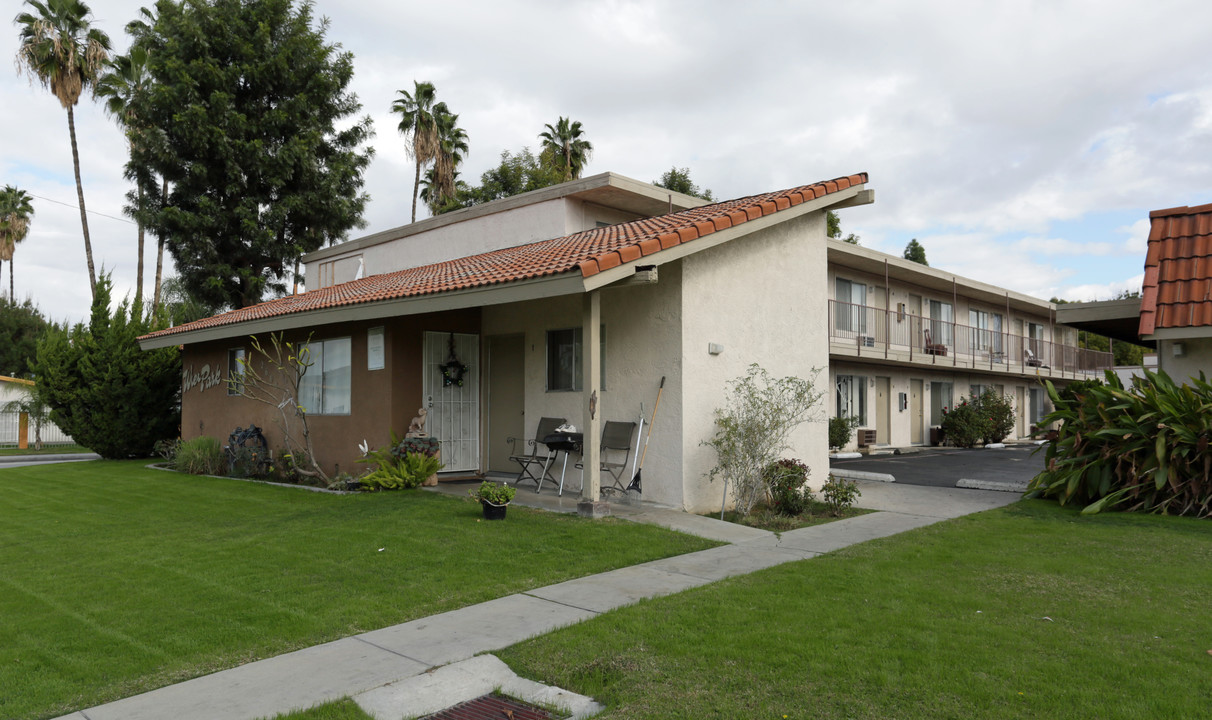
x=946, y=467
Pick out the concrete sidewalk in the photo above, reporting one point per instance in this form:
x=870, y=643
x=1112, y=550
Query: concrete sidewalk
x=42, y=459
x=373, y=663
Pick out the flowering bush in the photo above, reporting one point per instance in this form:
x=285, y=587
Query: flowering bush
x=999, y=409
x=787, y=480
x=963, y=425
x=981, y=420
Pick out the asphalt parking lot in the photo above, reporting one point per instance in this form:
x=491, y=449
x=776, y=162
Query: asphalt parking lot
x=945, y=467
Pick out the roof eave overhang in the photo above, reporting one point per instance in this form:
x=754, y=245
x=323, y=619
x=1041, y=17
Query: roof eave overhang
x=568, y=283
x=1116, y=319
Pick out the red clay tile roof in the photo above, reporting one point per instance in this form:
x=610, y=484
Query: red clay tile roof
x=1177, y=290
x=588, y=252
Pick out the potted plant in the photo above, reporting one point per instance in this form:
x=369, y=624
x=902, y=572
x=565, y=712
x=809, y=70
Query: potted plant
x=493, y=499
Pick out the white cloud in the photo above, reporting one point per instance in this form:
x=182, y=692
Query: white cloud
x=976, y=120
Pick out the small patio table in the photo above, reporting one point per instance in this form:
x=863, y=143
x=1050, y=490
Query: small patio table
x=565, y=442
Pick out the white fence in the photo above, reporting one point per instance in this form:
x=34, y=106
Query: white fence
x=10, y=432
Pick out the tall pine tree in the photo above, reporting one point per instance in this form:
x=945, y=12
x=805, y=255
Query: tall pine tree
x=244, y=114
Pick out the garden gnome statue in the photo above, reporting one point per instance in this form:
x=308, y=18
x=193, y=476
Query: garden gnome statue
x=416, y=427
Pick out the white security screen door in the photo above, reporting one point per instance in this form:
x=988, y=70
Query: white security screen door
x=454, y=411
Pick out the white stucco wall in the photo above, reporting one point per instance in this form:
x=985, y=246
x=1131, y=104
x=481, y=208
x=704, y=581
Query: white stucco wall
x=762, y=297
x=642, y=326
x=1196, y=356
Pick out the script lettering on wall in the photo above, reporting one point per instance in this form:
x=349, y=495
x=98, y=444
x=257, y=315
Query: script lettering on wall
x=206, y=378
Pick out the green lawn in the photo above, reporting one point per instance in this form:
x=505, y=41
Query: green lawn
x=338, y=710
x=117, y=579
x=1030, y=611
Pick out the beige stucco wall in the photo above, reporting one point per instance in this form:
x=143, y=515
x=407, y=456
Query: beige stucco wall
x=901, y=421
x=1196, y=357
x=761, y=297
x=642, y=330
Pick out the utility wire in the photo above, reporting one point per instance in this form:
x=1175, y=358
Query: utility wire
x=76, y=207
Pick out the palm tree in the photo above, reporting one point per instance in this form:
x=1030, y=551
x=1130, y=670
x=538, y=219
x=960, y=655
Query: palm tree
x=121, y=88
x=140, y=30
x=16, y=209
x=566, y=146
x=60, y=49
x=452, y=148
x=418, y=122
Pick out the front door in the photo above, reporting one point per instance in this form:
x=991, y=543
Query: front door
x=454, y=410
x=506, y=400
x=916, y=411
x=883, y=410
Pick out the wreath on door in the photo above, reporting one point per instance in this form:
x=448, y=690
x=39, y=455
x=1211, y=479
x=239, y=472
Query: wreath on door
x=453, y=370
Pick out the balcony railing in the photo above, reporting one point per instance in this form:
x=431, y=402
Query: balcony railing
x=889, y=333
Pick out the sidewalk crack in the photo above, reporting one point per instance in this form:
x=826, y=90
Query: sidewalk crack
x=389, y=650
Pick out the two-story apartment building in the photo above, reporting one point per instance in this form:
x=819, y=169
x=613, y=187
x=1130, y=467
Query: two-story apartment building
x=907, y=341
x=575, y=301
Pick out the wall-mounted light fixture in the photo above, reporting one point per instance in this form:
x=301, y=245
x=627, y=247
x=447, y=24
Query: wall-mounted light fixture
x=1178, y=349
x=715, y=348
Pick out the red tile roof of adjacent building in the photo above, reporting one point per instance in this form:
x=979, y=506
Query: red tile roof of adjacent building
x=589, y=252
x=1177, y=291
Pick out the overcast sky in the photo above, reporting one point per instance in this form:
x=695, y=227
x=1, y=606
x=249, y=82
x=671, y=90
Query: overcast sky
x=1021, y=143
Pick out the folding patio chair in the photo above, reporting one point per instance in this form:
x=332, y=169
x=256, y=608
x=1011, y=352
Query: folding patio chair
x=615, y=449
x=540, y=454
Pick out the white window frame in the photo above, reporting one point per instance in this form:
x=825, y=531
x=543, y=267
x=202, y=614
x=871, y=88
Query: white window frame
x=851, y=307
x=978, y=322
x=574, y=355
x=236, y=358
x=939, y=403
x=851, y=397
x=942, y=320
x=322, y=391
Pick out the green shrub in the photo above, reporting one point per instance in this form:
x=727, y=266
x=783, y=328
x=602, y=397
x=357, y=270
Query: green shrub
x=841, y=429
x=964, y=425
x=400, y=466
x=787, y=480
x=110, y=396
x=1140, y=449
x=999, y=409
x=201, y=456
x=839, y=494
x=167, y=449
x=1078, y=388
x=490, y=492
